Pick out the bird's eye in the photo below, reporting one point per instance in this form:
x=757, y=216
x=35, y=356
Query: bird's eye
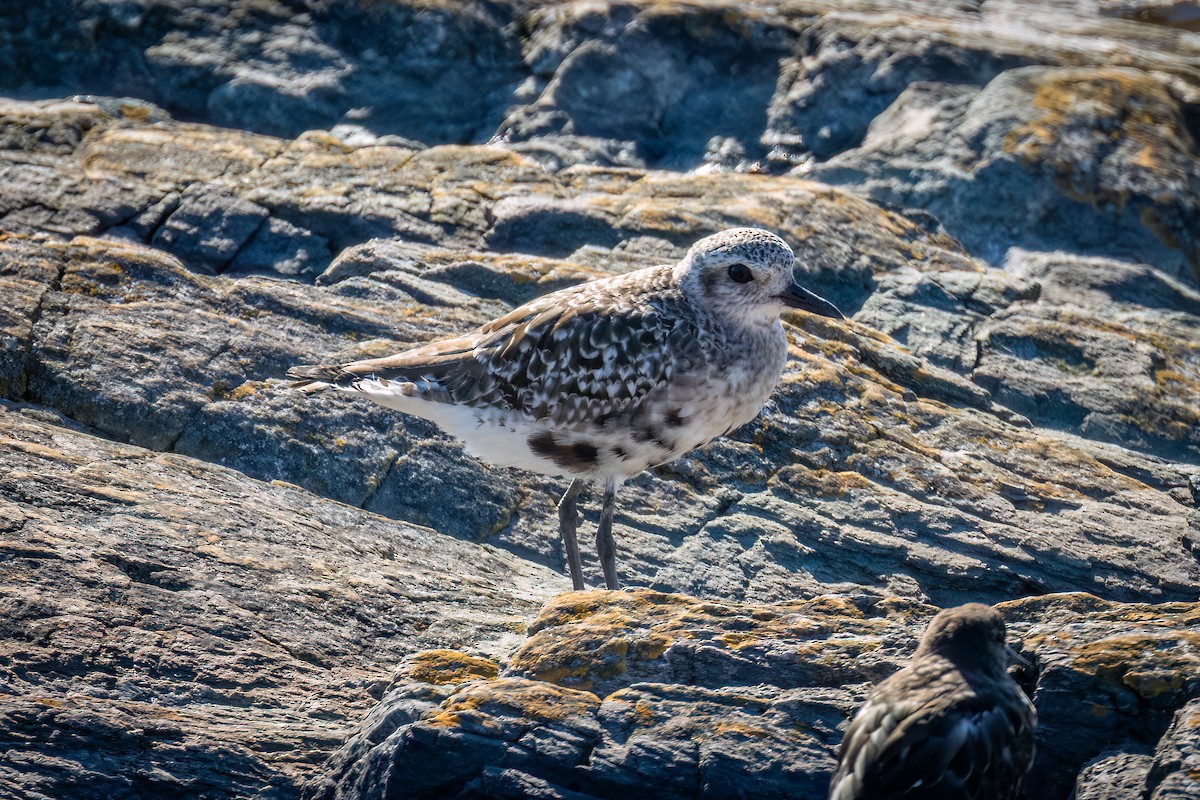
x=740, y=273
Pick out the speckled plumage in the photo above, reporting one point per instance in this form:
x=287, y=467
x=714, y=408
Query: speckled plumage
x=952, y=725
x=602, y=380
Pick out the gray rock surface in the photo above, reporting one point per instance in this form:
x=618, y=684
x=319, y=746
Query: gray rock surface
x=645, y=695
x=171, y=628
x=209, y=582
x=1113, y=777
x=668, y=77
x=440, y=72
x=1176, y=770
x=1094, y=161
x=896, y=467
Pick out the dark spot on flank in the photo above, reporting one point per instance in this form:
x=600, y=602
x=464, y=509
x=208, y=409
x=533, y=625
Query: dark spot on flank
x=620, y=453
x=543, y=444
x=575, y=457
x=648, y=433
x=585, y=452
x=675, y=419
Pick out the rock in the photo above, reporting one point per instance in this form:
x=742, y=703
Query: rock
x=668, y=77
x=559, y=151
x=59, y=128
x=645, y=695
x=209, y=227
x=851, y=64
x=278, y=247
x=227, y=630
x=1156, y=12
x=734, y=521
x=661, y=79
x=757, y=537
x=1128, y=667
x=546, y=226
x=843, y=77
x=1123, y=373
x=209, y=580
x=1113, y=777
x=1177, y=759
x=445, y=78
x=1096, y=161
x=23, y=287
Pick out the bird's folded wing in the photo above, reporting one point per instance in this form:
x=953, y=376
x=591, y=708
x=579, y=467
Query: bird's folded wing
x=967, y=747
x=574, y=362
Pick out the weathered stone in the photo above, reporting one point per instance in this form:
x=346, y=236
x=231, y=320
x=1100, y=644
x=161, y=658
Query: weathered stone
x=1111, y=350
x=559, y=151
x=280, y=248
x=444, y=78
x=1117, y=776
x=1175, y=774
x=666, y=76
x=226, y=630
x=843, y=77
x=32, y=127
x=208, y=227
x=1106, y=673
x=642, y=694
x=172, y=628
x=759, y=536
x=1095, y=161
x=1156, y=12
x=550, y=227
x=23, y=285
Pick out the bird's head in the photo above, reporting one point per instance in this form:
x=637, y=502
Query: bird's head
x=971, y=636
x=745, y=275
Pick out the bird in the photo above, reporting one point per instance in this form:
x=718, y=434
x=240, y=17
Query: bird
x=602, y=380
x=952, y=725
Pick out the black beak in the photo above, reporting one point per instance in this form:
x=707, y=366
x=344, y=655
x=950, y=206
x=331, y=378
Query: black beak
x=1016, y=658
x=798, y=297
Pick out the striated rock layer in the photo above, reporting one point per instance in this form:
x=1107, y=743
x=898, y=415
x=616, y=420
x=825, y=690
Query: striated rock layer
x=643, y=694
x=208, y=586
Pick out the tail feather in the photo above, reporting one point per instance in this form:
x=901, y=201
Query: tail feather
x=314, y=378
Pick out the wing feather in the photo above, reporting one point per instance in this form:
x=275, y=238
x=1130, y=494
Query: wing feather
x=578, y=355
x=946, y=740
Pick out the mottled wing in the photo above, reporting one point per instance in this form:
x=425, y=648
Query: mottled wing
x=944, y=742
x=566, y=357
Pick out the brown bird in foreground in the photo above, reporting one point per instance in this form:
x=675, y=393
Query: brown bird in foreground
x=952, y=725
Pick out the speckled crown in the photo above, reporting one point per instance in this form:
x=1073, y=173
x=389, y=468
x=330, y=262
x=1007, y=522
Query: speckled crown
x=757, y=244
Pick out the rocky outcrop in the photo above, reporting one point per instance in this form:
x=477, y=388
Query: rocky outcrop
x=911, y=462
x=209, y=582
x=1031, y=160
x=171, y=628
x=644, y=695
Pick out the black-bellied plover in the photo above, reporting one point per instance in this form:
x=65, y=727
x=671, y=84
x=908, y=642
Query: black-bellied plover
x=952, y=725
x=603, y=380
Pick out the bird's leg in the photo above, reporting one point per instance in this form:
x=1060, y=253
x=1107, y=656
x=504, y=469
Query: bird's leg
x=605, y=546
x=568, y=523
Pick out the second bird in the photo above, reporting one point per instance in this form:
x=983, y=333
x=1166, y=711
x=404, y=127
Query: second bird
x=952, y=725
x=601, y=381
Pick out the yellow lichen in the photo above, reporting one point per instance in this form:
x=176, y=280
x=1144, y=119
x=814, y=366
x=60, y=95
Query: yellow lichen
x=442, y=667
x=532, y=701
x=1122, y=111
